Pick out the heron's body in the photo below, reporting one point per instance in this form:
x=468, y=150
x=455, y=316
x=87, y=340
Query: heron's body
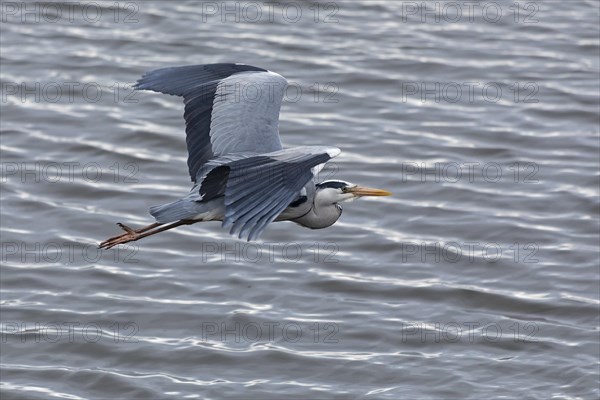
x=301, y=211
x=242, y=174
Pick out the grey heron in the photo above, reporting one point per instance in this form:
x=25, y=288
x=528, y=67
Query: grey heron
x=240, y=171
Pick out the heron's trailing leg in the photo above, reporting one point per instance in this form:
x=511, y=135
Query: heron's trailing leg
x=133, y=235
x=128, y=231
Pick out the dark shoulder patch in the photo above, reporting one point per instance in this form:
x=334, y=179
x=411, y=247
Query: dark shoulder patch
x=297, y=202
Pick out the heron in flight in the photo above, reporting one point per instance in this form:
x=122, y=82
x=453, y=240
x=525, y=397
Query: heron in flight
x=241, y=173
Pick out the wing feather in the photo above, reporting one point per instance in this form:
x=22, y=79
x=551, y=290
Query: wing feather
x=260, y=188
x=221, y=117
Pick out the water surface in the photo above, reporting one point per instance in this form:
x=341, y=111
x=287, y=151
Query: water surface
x=479, y=278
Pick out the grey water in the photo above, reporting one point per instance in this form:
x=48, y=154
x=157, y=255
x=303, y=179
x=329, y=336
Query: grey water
x=478, y=279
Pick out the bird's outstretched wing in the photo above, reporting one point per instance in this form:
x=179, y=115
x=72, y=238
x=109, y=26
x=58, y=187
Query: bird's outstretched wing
x=257, y=188
x=229, y=108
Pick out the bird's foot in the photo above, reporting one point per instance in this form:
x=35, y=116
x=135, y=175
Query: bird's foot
x=130, y=235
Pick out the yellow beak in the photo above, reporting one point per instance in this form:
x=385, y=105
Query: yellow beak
x=365, y=191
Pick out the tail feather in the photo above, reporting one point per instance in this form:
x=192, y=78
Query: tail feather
x=172, y=212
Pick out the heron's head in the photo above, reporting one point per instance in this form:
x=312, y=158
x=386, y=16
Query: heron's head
x=334, y=192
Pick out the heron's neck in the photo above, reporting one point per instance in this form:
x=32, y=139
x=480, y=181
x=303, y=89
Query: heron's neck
x=320, y=216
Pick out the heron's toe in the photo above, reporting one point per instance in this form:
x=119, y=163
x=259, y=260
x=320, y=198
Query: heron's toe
x=126, y=228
